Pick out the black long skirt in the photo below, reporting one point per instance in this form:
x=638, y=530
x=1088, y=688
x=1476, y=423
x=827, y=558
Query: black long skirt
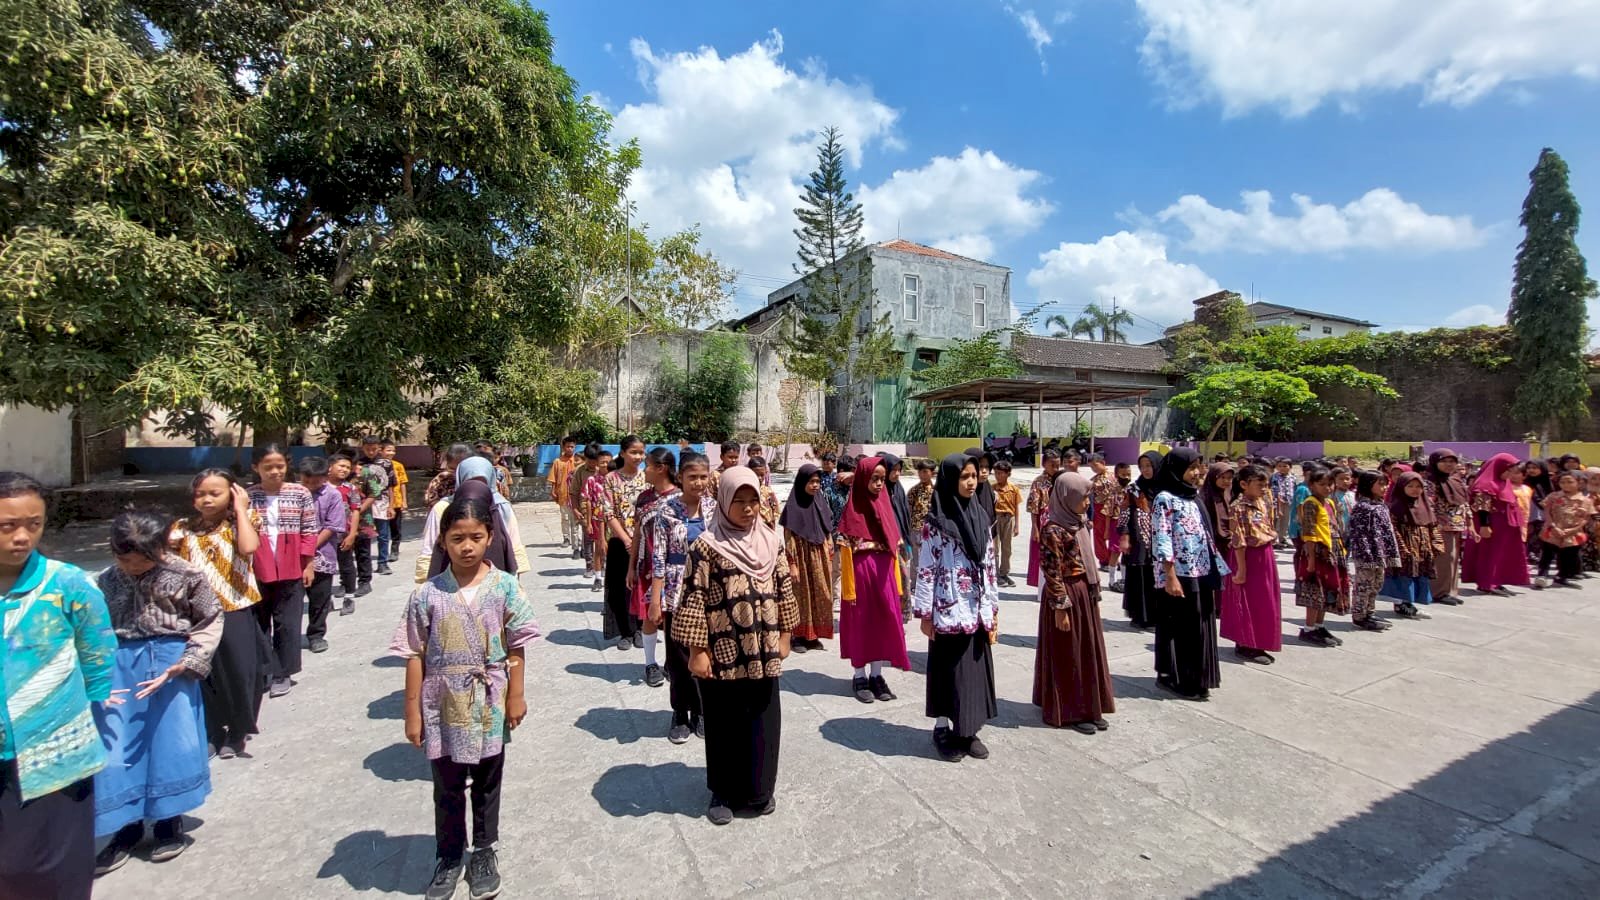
x=239, y=673
x=961, y=681
x=1139, y=594
x=744, y=725
x=683, y=688
x=616, y=618
x=1186, y=637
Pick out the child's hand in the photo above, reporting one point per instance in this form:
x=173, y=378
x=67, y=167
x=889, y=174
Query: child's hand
x=309, y=575
x=1063, y=620
x=700, y=662
x=516, y=711
x=1238, y=578
x=414, y=727
x=927, y=629
x=783, y=645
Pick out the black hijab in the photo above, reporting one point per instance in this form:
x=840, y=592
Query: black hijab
x=500, y=554
x=962, y=518
x=1169, y=477
x=897, y=493
x=1151, y=486
x=803, y=516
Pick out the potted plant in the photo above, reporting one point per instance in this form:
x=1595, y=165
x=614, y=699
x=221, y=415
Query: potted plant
x=529, y=464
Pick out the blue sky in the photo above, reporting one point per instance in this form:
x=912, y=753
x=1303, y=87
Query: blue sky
x=1104, y=148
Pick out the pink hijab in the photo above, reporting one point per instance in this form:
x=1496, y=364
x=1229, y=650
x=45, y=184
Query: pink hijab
x=753, y=550
x=1492, y=481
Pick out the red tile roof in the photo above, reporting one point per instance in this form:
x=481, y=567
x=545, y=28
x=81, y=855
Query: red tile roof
x=924, y=250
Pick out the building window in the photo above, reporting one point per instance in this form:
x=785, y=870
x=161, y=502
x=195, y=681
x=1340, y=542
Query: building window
x=1327, y=329
x=925, y=357
x=1305, y=327
x=980, y=306
x=912, y=291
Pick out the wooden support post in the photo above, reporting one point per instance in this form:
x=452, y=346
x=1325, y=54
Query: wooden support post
x=1091, y=420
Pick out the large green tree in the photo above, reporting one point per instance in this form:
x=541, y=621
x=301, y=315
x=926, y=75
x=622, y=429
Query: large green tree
x=1549, y=301
x=308, y=211
x=835, y=337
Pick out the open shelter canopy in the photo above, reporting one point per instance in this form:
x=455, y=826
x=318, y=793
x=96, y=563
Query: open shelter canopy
x=1034, y=394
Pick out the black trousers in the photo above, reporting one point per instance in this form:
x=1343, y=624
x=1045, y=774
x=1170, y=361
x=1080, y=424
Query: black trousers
x=319, y=601
x=744, y=725
x=363, y=552
x=238, y=679
x=616, y=618
x=1568, y=560
x=1186, y=636
x=47, y=843
x=282, y=606
x=683, y=688
x=347, y=570
x=450, y=804
x=394, y=532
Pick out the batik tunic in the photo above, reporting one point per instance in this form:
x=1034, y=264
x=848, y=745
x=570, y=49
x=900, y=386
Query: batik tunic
x=957, y=593
x=215, y=552
x=1181, y=538
x=920, y=500
x=739, y=619
x=620, y=497
x=1107, y=497
x=1448, y=516
x=464, y=646
x=668, y=526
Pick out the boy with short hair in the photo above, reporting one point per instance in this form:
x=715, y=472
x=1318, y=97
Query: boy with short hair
x=559, y=478
x=1106, y=497
x=397, y=503
x=339, y=470
x=376, y=473
x=1007, y=525
x=588, y=465
x=1281, y=486
x=333, y=518
x=920, y=499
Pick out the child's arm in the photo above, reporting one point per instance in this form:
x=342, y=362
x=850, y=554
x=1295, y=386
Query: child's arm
x=516, y=706
x=245, y=537
x=414, y=700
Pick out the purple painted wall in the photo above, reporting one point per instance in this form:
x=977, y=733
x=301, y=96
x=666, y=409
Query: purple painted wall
x=1118, y=449
x=1478, y=450
x=1296, y=450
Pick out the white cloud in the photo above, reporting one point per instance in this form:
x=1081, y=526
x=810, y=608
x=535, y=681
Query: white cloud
x=1130, y=266
x=1037, y=33
x=1479, y=314
x=955, y=203
x=1379, y=220
x=1294, y=55
x=728, y=141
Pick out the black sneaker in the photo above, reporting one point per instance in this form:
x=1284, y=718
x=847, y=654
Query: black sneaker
x=348, y=607
x=815, y=644
x=483, y=875
x=679, y=733
x=1314, y=636
x=363, y=589
x=976, y=748
x=280, y=687
x=445, y=876
x=653, y=676
x=116, y=853
x=598, y=586
x=577, y=553
x=318, y=645
x=798, y=646
x=1456, y=601
x=862, y=688
x=719, y=812
x=945, y=744
x=1368, y=624
x=880, y=689
x=700, y=727
x=1329, y=637
x=170, y=842
x=383, y=569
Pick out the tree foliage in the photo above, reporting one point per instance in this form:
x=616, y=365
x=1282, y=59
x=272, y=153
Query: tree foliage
x=992, y=354
x=304, y=211
x=702, y=404
x=531, y=398
x=1550, y=291
x=834, y=330
x=1111, y=326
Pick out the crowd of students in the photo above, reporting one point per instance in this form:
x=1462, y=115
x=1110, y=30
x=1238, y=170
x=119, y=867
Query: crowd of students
x=120, y=688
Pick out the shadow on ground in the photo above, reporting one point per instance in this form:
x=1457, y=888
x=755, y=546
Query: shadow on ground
x=398, y=762
x=1548, y=848
x=571, y=637
x=389, y=662
x=587, y=606
x=625, y=726
x=619, y=673
x=880, y=738
x=373, y=860
x=389, y=706
x=636, y=789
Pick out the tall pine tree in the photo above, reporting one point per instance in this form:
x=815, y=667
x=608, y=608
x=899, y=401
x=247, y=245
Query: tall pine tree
x=1549, y=296
x=837, y=341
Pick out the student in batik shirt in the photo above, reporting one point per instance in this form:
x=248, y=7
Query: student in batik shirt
x=1191, y=573
x=1038, y=507
x=58, y=660
x=592, y=506
x=920, y=498
x=1567, y=513
x=1374, y=550
x=288, y=519
x=1104, y=497
x=1417, y=536
x=333, y=517
x=1450, y=496
x=1252, y=602
x=340, y=469
x=1071, y=674
x=1282, y=486
x=661, y=472
x=770, y=510
x=619, y=507
x=464, y=636
x=220, y=539
x=673, y=525
x=1319, y=579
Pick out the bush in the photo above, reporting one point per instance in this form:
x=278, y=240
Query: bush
x=702, y=404
x=532, y=399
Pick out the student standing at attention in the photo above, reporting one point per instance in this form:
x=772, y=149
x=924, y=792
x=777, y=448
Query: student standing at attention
x=560, y=479
x=1007, y=524
x=288, y=518
x=1071, y=675
x=871, y=631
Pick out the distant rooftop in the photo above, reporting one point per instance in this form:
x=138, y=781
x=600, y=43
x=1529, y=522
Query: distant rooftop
x=1261, y=310
x=1069, y=353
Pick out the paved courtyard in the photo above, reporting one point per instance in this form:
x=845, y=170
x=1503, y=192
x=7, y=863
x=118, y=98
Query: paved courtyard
x=1454, y=757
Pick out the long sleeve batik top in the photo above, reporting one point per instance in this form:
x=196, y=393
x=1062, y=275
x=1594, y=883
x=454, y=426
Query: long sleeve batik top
x=1372, y=539
x=739, y=619
x=1449, y=516
x=1064, y=571
x=171, y=600
x=1136, y=522
x=59, y=656
x=671, y=527
x=956, y=593
x=1181, y=538
x=464, y=639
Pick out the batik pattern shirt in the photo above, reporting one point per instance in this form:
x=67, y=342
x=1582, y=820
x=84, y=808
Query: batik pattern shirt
x=380, y=490
x=1137, y=523
x=621, y=497
x=958, y=594
x=1282, y=489
x=920, y=499
x=672, y=529
x=215, y=552
x=770, y=510
x=1448, y=516
x=1182, y=539
x=1106, y=495
x=594, y=504
x=464, y=646
x=1039, y=498
x=288, y=532
x=1372, y=540
x=171, y=600
x=739, y=619
x=1063, y=569
x=837, y=492
x=59, y=655
x=1253, y=523
x=1567, y=516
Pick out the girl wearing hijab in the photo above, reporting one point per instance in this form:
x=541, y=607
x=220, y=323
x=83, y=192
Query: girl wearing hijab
x=1417, y=537
x=1191, y=573
x=1497, y=558
x=957, y=600
x=806, y=523
x=902, y=518
x=871, y=631
x=474, y=480
x=1038, y=507
x=1071, y=677
x=736, y=617
x=1139, y=595
x=1450, y=498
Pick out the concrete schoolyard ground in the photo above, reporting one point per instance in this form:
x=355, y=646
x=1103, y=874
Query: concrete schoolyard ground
x=1454, y=757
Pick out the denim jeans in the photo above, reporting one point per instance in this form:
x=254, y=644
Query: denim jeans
x=383, y=541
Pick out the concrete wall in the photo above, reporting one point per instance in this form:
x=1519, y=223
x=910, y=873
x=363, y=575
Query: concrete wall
x=37, y=443
x=1309, y=327
x=945, y=296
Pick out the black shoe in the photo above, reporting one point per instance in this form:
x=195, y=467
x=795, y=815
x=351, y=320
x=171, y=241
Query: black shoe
x=348, y=607
x=445, y=876
x=116, y=853
x=880, y=689
x=815, y=644
x=798, y=646
x=718, y=812
x=1456, y=601
x=483, y=875
x=757, y=810
x=700, y=727
x=1006, y=582
x=577, y=553
x=1101, y=724
x=978, y=750
x=1329, y=637
x=944, y=744
x=598, y=586
x=1368, y=624
x=653, y=676
x=1084, y=727
x=317, y=645
x=1315, y=636
x=383, y=569
x=363, y=589
x=679, y=733
x=862, y=688
x=170, y=842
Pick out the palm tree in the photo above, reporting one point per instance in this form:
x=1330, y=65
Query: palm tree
x=1110, y=325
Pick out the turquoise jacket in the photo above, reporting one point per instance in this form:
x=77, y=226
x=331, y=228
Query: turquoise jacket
x=59, y=653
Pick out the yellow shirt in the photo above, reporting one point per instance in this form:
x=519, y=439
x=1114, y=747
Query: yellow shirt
x=1007, y=499
x=560, y=475
x=401, y=479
